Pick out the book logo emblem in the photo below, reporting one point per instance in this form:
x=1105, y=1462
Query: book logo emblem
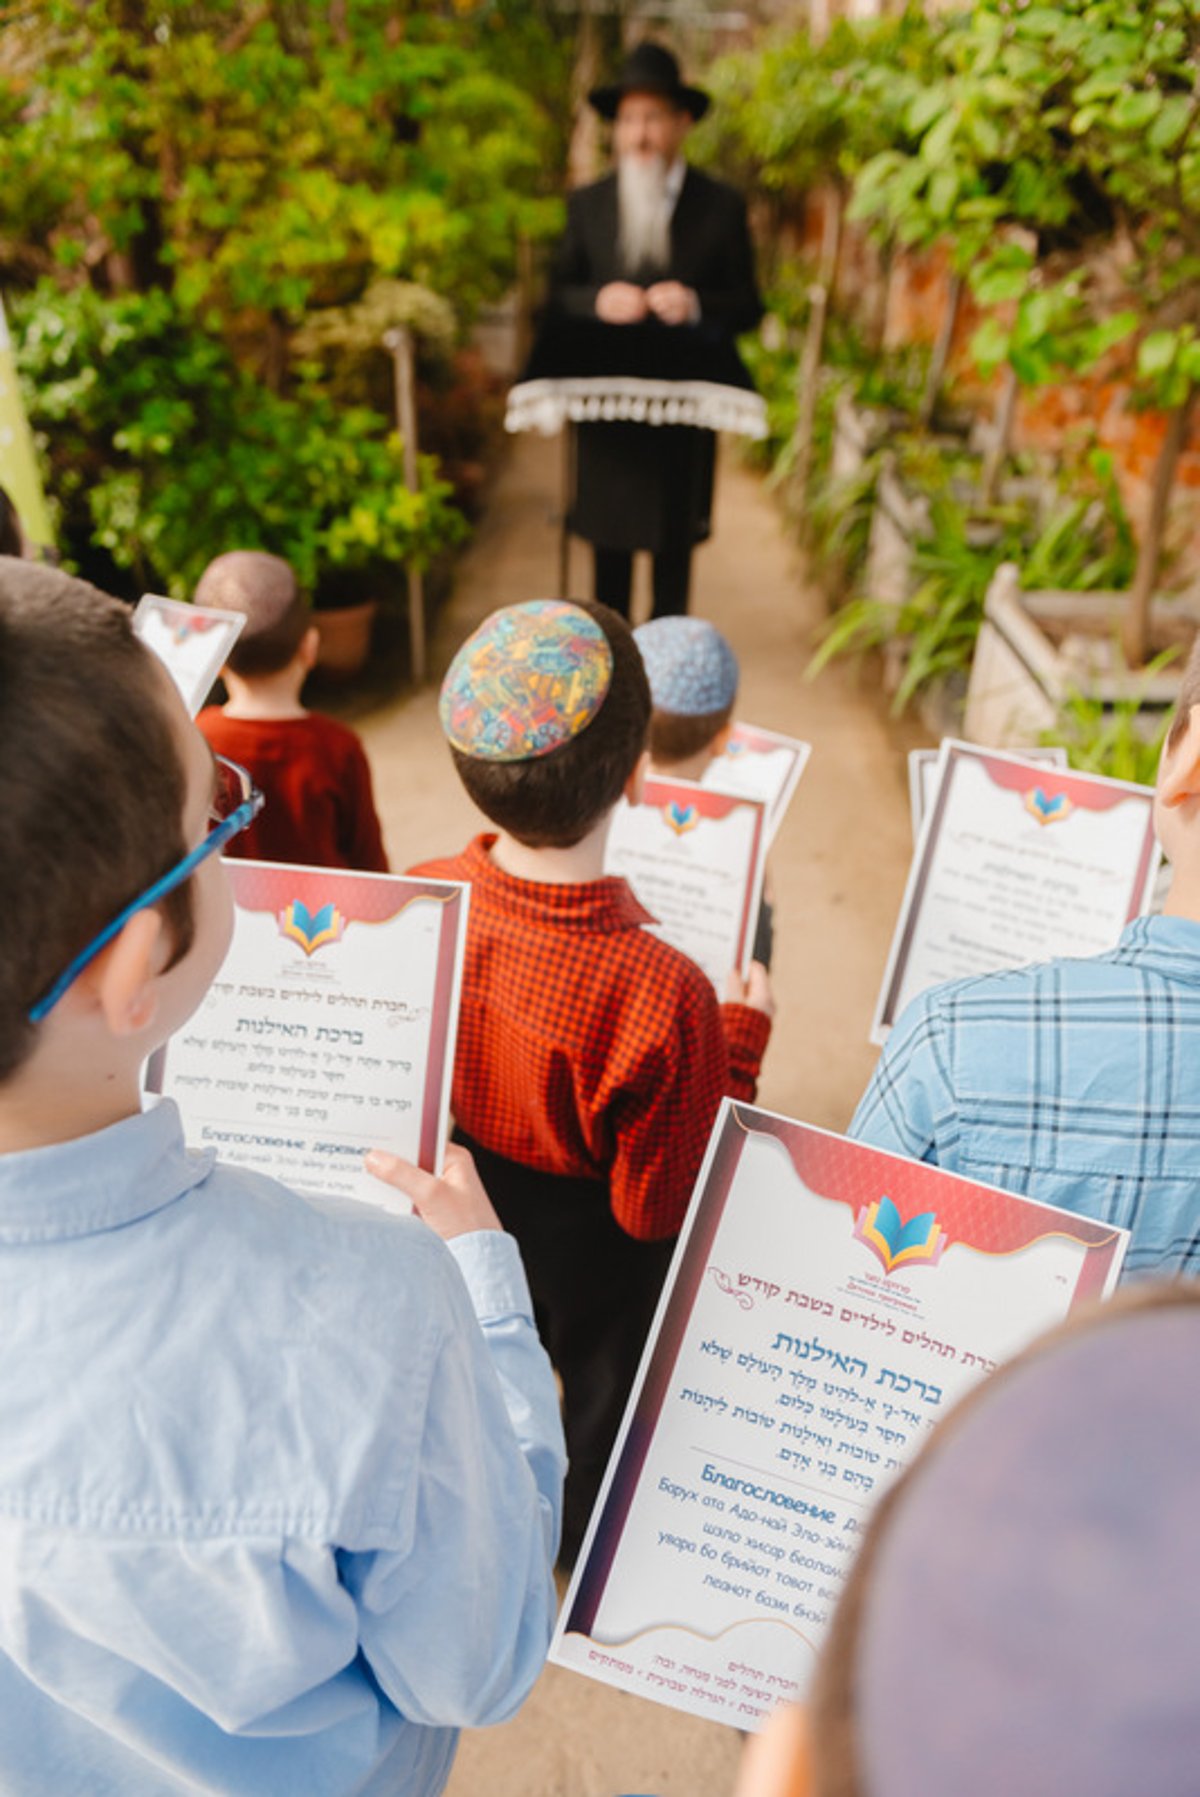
x=894, y=1244
x=311, y=929
x=680, y=818
x=1047, y=811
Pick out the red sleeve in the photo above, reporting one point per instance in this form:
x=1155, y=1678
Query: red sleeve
x=663, y=1118
x=747, y=1033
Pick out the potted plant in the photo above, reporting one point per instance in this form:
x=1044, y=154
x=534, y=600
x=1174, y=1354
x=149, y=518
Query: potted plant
x=363, y=552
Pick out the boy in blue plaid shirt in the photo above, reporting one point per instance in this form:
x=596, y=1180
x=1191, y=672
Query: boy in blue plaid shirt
x=1076, y=1082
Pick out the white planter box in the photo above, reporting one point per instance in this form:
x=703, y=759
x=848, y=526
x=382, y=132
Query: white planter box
x=1037, y=649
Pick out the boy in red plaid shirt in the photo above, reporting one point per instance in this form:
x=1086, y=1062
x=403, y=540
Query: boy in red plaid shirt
x=591, y=1055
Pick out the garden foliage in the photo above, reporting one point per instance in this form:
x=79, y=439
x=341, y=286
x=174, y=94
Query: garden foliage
x=184, y=185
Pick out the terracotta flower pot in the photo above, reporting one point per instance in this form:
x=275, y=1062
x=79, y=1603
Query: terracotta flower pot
x=345, y=638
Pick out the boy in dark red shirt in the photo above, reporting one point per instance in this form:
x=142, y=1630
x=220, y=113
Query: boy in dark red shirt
x=592, y=1056
x=312, y=769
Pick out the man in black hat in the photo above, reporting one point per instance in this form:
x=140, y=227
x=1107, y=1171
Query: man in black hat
x=655, y=246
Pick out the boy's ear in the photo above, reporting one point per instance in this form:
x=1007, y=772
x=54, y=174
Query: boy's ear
x=310, y=647
x=637, y=780
x=1179, y=771
x=124, y=976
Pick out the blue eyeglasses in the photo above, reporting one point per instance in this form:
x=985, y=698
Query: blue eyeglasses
x=236, y=803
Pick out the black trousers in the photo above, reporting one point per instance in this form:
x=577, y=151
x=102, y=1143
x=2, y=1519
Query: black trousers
x=672, y=580
x=594, y=1291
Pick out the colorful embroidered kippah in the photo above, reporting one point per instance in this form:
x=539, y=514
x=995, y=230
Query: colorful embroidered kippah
x=528, y=680
x=691, y=668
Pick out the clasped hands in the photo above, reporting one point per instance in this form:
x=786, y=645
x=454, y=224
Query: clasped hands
x=622, y=302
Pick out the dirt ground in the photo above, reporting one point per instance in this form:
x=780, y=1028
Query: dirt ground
x=838, y=867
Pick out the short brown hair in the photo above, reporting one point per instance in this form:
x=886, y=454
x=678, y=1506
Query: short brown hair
x=675, y=736
x=93, y=804
x=265, y=590
x=552, y=801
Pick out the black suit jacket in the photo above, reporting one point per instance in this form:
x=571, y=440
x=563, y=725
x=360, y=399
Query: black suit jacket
x=710, y=252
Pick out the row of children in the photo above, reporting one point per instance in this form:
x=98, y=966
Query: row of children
x=280, y=1515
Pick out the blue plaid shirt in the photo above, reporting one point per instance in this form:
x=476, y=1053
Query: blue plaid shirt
x=1075, y=1082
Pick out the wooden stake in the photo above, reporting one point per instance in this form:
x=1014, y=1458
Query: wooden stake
x=941, y=353
x=808, y=372
x=399, y=342
x=1135, y=627
x=997, y=455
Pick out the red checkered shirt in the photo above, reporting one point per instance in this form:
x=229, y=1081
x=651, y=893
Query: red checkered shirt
x=586, y=1046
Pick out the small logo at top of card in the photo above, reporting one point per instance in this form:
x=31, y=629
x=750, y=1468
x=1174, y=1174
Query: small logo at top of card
x=1048, y=811
x=680, y=818
x=894, y=1244
x=311, y=929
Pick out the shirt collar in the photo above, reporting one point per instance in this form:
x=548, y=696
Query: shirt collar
x=1171, y=945
x=602, y=905
x=100, y=1181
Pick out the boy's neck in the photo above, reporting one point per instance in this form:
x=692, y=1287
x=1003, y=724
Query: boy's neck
x=694, y=767
x=266, y=697
x=576, y=866
x=47, y=1102
x=1183, y=894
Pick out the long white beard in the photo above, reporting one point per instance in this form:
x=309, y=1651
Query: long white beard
x=644, y=219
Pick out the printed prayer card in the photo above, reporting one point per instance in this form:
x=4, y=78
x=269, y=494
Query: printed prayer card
x=192, y=640
x=329, y=1030
x=760, y=764
x=695, y=858
x=826, y=1305
x=1016, y=862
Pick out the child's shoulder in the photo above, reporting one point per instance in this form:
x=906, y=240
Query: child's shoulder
x=351, y=1256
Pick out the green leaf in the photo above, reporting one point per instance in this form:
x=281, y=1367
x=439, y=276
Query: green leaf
x=1004, y=276
x=1133, y=112
x=1156, y=353
x=990, y=346
x=1171, y=122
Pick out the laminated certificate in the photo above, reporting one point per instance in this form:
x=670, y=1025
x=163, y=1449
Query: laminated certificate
x=192, y=640
x=1016, y=862
x=329, y=1030
x=695, y=857
x=924, y=773
x=760, y=764
x=827, y=1303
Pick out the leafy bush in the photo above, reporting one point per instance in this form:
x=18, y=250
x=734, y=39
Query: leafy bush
x=1121, y=740
x=162, y=453
x=186, y=186
x=1085, y=545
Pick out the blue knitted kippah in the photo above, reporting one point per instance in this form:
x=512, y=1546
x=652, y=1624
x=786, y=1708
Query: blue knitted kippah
x=691, y=668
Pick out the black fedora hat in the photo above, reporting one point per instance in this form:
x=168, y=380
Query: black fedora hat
x=649, y=69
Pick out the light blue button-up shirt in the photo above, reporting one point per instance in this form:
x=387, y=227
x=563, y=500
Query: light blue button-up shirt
x=276, y=1513
x=1075, y=1081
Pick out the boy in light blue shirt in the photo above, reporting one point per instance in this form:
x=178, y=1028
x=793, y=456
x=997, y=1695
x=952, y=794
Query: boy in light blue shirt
x=279, y=1479
x=1076, y=1081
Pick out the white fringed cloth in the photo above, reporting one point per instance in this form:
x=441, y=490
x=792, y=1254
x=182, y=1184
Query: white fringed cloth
x=583, y=371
